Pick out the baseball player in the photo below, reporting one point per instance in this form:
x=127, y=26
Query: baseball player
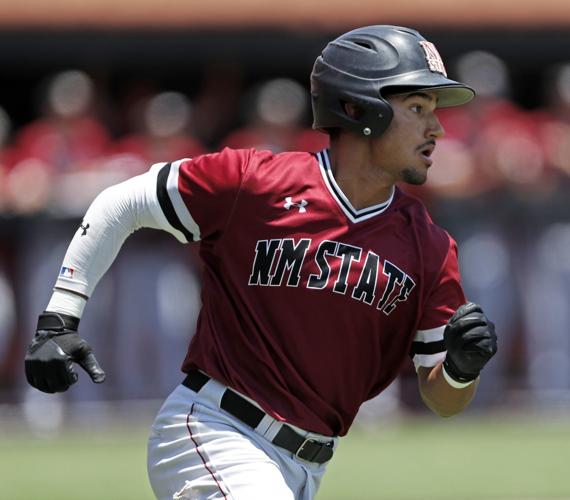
x=320, y=278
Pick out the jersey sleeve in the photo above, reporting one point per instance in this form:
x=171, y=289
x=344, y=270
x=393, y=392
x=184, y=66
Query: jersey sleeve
x=444, y=298
x=195, y=197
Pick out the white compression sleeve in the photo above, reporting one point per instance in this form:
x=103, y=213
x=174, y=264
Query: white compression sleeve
x=114, y=215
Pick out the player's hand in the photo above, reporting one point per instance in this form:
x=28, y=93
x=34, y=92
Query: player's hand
x=56, y=346
x=470, y=341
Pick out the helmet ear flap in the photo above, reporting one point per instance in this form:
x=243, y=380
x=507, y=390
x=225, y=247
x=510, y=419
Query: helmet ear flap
x=381, y=116
x=371, y=117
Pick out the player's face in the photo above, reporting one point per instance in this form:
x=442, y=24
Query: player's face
x=403, y=151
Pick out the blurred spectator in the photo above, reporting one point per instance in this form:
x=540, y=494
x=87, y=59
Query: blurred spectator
x=488, y=74
x=67, y=138
x=163, y=132
x=511, y=149
x=466, y=157
x=557, y=91
x=276, y=120
x=555, y=118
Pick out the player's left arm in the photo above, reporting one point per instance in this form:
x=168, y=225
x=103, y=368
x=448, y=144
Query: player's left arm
x=439, y=396
x=450, y=356
x=470, y=342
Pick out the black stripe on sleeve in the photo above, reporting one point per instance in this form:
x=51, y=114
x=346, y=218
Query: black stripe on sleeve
x=427, y=347
x=166, y=203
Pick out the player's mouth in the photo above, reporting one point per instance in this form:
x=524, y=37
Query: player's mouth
x=425, y=151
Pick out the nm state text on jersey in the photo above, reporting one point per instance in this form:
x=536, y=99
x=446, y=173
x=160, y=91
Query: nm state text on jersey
x=380, y=283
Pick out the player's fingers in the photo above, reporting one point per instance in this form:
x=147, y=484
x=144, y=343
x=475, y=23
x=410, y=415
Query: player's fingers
x=39, y=384
x=480, y=340
x=90, y=364
x=60, y=375
x=471, y=320
x=468, y=308
x=49, y=377
x=53, y=386
x=478, y=331
x=83, y=355
x=30, y=374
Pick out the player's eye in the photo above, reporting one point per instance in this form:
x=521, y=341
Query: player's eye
x=417, y=108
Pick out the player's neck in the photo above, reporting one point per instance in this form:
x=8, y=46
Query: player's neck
x=363, y=183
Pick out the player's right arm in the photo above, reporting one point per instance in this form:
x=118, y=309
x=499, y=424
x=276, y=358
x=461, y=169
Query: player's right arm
x=158, y=199
x=114, y=214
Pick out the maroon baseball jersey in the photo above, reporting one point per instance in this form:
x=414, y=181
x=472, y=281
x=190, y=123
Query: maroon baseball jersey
x=309, y=306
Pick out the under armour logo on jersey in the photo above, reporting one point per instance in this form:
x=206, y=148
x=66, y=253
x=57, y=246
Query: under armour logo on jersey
x=85, y=228
x=290, y=203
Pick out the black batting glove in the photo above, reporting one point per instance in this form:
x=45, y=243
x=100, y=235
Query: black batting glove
x=56, y=346
x=470, y=341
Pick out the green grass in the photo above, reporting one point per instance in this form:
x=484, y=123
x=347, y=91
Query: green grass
x=75, y=467
x=453, y=460
x=428, y=459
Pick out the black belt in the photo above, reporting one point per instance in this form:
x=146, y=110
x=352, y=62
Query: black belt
x=306, y=449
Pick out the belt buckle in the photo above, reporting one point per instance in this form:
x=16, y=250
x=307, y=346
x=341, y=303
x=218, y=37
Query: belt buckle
x=302, y=447
x=323, y=451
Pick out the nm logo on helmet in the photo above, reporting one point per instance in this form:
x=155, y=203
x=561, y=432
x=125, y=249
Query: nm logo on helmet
x=433, y=58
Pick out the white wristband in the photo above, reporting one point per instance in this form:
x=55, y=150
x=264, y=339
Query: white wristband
x=65, y=302
x=454, y=383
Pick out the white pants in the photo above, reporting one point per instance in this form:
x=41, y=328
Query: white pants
x=197, y=451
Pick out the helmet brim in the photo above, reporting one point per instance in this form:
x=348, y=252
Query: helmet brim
x=449, y=93
x=453, y=95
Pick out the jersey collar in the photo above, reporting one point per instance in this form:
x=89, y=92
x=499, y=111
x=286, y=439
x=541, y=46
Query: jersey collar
x=352, y=213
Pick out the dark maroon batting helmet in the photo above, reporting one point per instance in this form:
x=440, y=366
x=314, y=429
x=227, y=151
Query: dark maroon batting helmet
x=366, y=64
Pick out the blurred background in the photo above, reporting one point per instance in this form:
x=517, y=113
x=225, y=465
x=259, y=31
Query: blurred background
x=93, y=92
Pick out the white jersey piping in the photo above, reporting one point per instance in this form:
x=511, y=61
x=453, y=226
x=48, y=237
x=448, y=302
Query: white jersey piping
x=343, y=202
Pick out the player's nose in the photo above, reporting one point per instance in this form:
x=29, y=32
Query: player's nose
x=435, y=129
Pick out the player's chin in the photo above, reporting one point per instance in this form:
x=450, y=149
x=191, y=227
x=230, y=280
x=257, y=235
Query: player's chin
x=414, y=175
